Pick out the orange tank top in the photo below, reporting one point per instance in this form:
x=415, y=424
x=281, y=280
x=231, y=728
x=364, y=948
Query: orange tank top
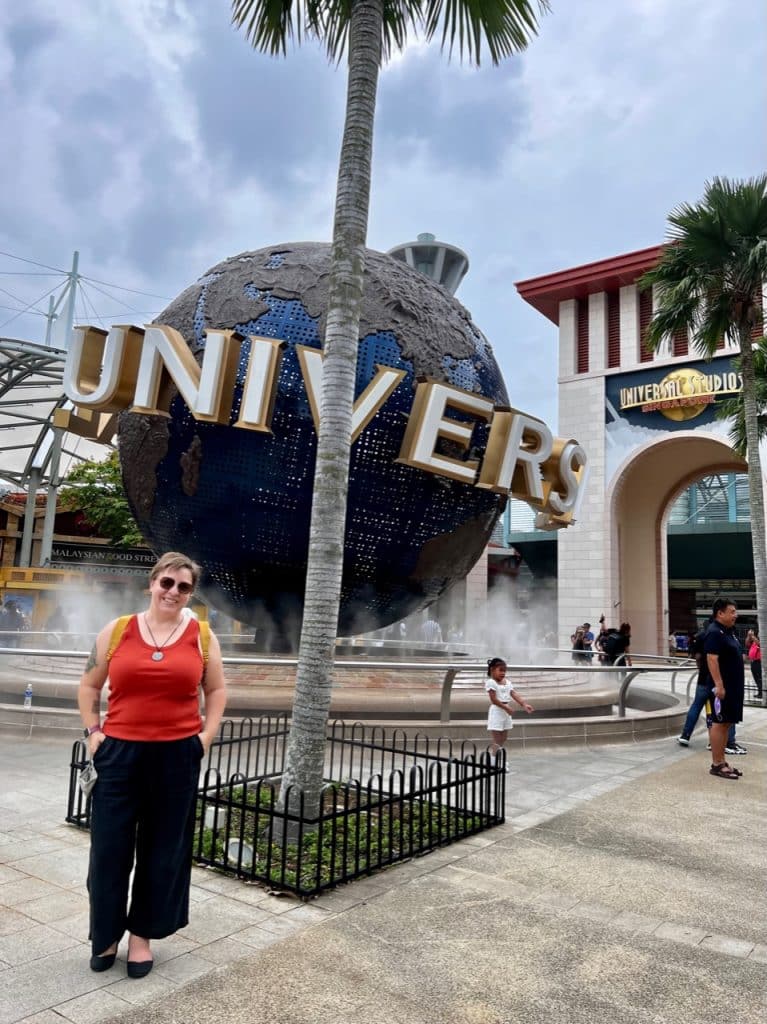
x=154, y=700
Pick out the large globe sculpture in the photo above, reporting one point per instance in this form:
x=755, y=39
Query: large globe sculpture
x=238, y=501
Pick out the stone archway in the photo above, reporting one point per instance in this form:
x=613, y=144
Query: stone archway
x=644, y=489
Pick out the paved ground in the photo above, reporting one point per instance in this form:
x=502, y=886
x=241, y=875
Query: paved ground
x=627, y=884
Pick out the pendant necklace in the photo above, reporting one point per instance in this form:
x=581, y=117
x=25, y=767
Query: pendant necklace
x=157, y=655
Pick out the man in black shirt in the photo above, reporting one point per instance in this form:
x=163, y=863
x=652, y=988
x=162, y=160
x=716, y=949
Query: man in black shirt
x=724, y=660
x=616, y=645
x=703, y=690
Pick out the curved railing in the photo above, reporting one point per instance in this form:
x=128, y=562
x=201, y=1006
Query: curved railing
x=450, y=669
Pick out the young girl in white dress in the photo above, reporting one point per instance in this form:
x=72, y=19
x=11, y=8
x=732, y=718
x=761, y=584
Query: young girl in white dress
x=501, y=693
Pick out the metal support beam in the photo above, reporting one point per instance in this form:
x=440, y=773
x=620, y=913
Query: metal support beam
x=52, y=497
x=69, y=310
x=35, y=477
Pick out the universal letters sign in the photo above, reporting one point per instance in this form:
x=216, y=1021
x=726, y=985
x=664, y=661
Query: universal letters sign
x=129, y=368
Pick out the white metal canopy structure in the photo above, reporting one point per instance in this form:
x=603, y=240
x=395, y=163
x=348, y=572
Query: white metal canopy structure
x=34, y=453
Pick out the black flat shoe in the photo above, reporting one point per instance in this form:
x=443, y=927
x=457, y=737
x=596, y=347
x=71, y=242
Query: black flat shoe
x=140, y=969
x=103, y=963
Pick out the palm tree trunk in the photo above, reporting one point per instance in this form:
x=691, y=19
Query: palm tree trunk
x=314, y=676
x=755, y=481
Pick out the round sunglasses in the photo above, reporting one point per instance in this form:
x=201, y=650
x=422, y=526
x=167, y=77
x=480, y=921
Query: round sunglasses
x=168, y=583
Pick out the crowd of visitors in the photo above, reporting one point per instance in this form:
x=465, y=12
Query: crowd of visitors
x=612, y=645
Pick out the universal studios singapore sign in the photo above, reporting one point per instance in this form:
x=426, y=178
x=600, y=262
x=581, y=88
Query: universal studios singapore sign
x=129, y=368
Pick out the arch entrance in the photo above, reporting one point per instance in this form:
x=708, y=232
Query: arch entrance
x=645, y=487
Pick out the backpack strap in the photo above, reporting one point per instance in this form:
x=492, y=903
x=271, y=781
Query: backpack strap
x=117, y=632
x=204, y=639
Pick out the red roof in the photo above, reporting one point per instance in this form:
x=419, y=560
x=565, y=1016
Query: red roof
x=545, y=293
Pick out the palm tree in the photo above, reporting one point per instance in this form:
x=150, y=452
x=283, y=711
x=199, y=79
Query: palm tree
x=366, y=32
x=709, y=281
x=732, y=408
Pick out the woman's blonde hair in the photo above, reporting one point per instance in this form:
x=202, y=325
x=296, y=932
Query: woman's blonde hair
x=173, y=561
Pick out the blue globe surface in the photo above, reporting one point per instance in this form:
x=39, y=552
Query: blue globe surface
x=239, y=501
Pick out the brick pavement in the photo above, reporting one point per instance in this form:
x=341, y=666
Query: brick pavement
x=557, y=801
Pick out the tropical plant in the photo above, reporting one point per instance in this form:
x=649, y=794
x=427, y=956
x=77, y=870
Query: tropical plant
x=95, y=488
x=732, y=408
x=367, y=32
x=709, y=281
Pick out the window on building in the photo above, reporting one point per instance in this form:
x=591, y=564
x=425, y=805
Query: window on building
x=645, y=316
x=582, y=354
x=720, y=498
x=613, y=329
x=681, y=342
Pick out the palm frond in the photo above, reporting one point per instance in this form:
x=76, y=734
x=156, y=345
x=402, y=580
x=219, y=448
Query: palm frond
x=269, y=24
x=709, y=277
x=505, y=27
x=742, y=204
x=732, y=408
x=755, y=261
x=399, y=16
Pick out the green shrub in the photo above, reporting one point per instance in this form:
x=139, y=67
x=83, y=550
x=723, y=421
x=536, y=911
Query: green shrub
x=365, y=838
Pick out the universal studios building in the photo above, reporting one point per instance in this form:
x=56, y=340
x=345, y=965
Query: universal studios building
x=648, y=422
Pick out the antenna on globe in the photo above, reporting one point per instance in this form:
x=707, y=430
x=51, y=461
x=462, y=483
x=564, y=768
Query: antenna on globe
x=443, y=263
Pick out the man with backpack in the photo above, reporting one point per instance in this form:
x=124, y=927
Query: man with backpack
x=614, y=645
x=703, y=691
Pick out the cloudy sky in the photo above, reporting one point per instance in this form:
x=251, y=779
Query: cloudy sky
x=151, y=138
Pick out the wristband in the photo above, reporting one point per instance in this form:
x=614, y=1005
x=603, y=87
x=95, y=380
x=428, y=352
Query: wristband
x=89, y=731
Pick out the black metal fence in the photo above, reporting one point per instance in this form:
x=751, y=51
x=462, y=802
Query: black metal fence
x=387, y=798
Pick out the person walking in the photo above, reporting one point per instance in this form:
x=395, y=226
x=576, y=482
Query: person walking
x=147, y=754
x=755, y=659
x=13, y=623
x=501, y=693
x=703, y=689
x=431, y=631
x=724, y=660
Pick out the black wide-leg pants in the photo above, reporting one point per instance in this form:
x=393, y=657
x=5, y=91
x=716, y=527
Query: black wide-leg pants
x=142, y=810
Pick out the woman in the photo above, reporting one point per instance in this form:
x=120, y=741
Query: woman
x=754, y=651
x=579, y=644
x=147, y=754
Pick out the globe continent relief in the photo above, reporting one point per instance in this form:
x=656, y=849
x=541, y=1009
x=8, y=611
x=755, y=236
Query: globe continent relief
x=238, y=501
